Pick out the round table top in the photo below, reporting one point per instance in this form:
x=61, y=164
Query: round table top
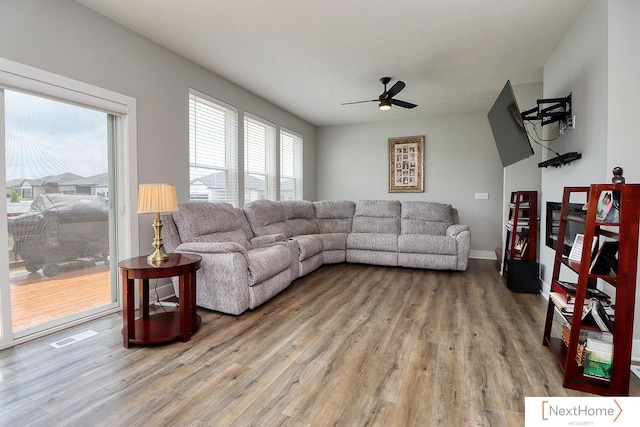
x=175, y=260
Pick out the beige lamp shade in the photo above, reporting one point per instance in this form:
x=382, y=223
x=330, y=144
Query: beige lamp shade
x=153, y=198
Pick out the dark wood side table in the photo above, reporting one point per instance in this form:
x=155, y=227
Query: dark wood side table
x=165, y=326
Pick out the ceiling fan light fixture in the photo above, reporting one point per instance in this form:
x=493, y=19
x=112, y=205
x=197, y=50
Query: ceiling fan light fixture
x=384, y=105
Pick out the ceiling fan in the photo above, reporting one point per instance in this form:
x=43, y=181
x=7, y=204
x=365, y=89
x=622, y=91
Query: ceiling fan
x=386, y=98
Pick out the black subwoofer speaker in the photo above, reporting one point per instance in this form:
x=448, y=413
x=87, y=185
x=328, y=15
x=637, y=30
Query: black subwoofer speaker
x=522, y=276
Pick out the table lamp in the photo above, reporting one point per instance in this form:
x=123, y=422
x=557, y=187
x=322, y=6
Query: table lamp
x=157, y=198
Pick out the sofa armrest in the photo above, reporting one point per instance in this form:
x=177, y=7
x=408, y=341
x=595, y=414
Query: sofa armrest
x=455, y=229
x=222, y=283
x=211, y=247
x=462, y=235
x=270, y=238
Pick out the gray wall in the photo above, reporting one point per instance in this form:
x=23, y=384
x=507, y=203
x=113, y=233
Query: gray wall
x=461, y=159
x=66, y=38
x=597, y=60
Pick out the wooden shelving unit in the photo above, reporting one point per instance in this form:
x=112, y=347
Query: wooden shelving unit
x=622, y=278
x=521, y=244
x=522, y=227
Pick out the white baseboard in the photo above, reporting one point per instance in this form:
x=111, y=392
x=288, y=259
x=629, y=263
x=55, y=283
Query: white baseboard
x=482, y=255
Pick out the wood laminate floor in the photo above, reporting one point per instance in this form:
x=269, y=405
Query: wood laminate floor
x=349, y=345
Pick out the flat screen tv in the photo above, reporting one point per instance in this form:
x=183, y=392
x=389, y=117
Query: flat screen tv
x=508, y=128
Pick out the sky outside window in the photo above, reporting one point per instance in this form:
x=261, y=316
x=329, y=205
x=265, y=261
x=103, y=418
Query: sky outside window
x=45, y=137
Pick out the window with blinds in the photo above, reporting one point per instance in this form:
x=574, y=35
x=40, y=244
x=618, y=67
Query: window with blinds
x=259, y=159
x=290, y=166
x=213, y=150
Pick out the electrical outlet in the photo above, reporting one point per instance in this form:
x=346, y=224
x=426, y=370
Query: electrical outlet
x=482, y=196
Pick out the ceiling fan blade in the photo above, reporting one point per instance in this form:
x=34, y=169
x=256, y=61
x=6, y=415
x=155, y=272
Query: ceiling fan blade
x=395, y=89
x=359, y=102
x=403, y=104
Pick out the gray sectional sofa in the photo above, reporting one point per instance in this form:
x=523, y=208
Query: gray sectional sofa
x=249, y=255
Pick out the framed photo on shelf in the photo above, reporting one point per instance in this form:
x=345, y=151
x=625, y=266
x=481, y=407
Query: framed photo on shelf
x=606, y=259
x=608, y=209
x=605, y=202
x=406, y=164
x=521, y=242
x=576, y=249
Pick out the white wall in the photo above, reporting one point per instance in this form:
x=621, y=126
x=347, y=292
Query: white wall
x=623, y=143
x=598, y=61
x=578, y=65
x=66, y=38
x=461, y=159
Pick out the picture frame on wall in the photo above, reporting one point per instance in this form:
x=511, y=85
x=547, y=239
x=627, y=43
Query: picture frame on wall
x=406, y=164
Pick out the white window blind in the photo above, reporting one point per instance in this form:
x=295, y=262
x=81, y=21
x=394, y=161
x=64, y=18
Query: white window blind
x=213, y=150
x=259, y=159
x=290, y=166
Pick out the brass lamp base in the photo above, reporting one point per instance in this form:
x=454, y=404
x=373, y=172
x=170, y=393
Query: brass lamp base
x=158, y=256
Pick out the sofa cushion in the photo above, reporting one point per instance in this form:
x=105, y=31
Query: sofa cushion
x=244, y=224
x=299, y=217
x=420, y=217
x=170, y=235
x=265, y=263
x=209, y=222
x=373, y=241
x=426, y=244
x=377, y=216
x=266, y=217
x=378, y=208
x=334, y=216
x=310, y=245
x=334, y=241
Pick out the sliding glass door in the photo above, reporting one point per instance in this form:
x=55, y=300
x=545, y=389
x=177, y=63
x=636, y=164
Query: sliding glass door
x=58, y=186
x=62, y=142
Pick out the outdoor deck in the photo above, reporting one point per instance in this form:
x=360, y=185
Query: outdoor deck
x=36, y=298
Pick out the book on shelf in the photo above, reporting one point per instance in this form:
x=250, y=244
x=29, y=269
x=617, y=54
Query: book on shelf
x=522, y=223
x=559, y=300
x=566, y=305
x=606, y=337
x=598, y=314
x=606, y=259
x=522, y=205
x=598, y=359
x=591, y=292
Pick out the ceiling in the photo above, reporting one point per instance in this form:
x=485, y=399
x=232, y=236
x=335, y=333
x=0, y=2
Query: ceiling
x=308, y=57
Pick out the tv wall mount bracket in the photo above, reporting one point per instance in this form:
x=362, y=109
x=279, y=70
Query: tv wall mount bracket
x=558, y=111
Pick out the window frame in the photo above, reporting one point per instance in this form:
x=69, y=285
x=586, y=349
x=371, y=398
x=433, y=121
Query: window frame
x=231, y=164
x=297, y=166
x=270, y=171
